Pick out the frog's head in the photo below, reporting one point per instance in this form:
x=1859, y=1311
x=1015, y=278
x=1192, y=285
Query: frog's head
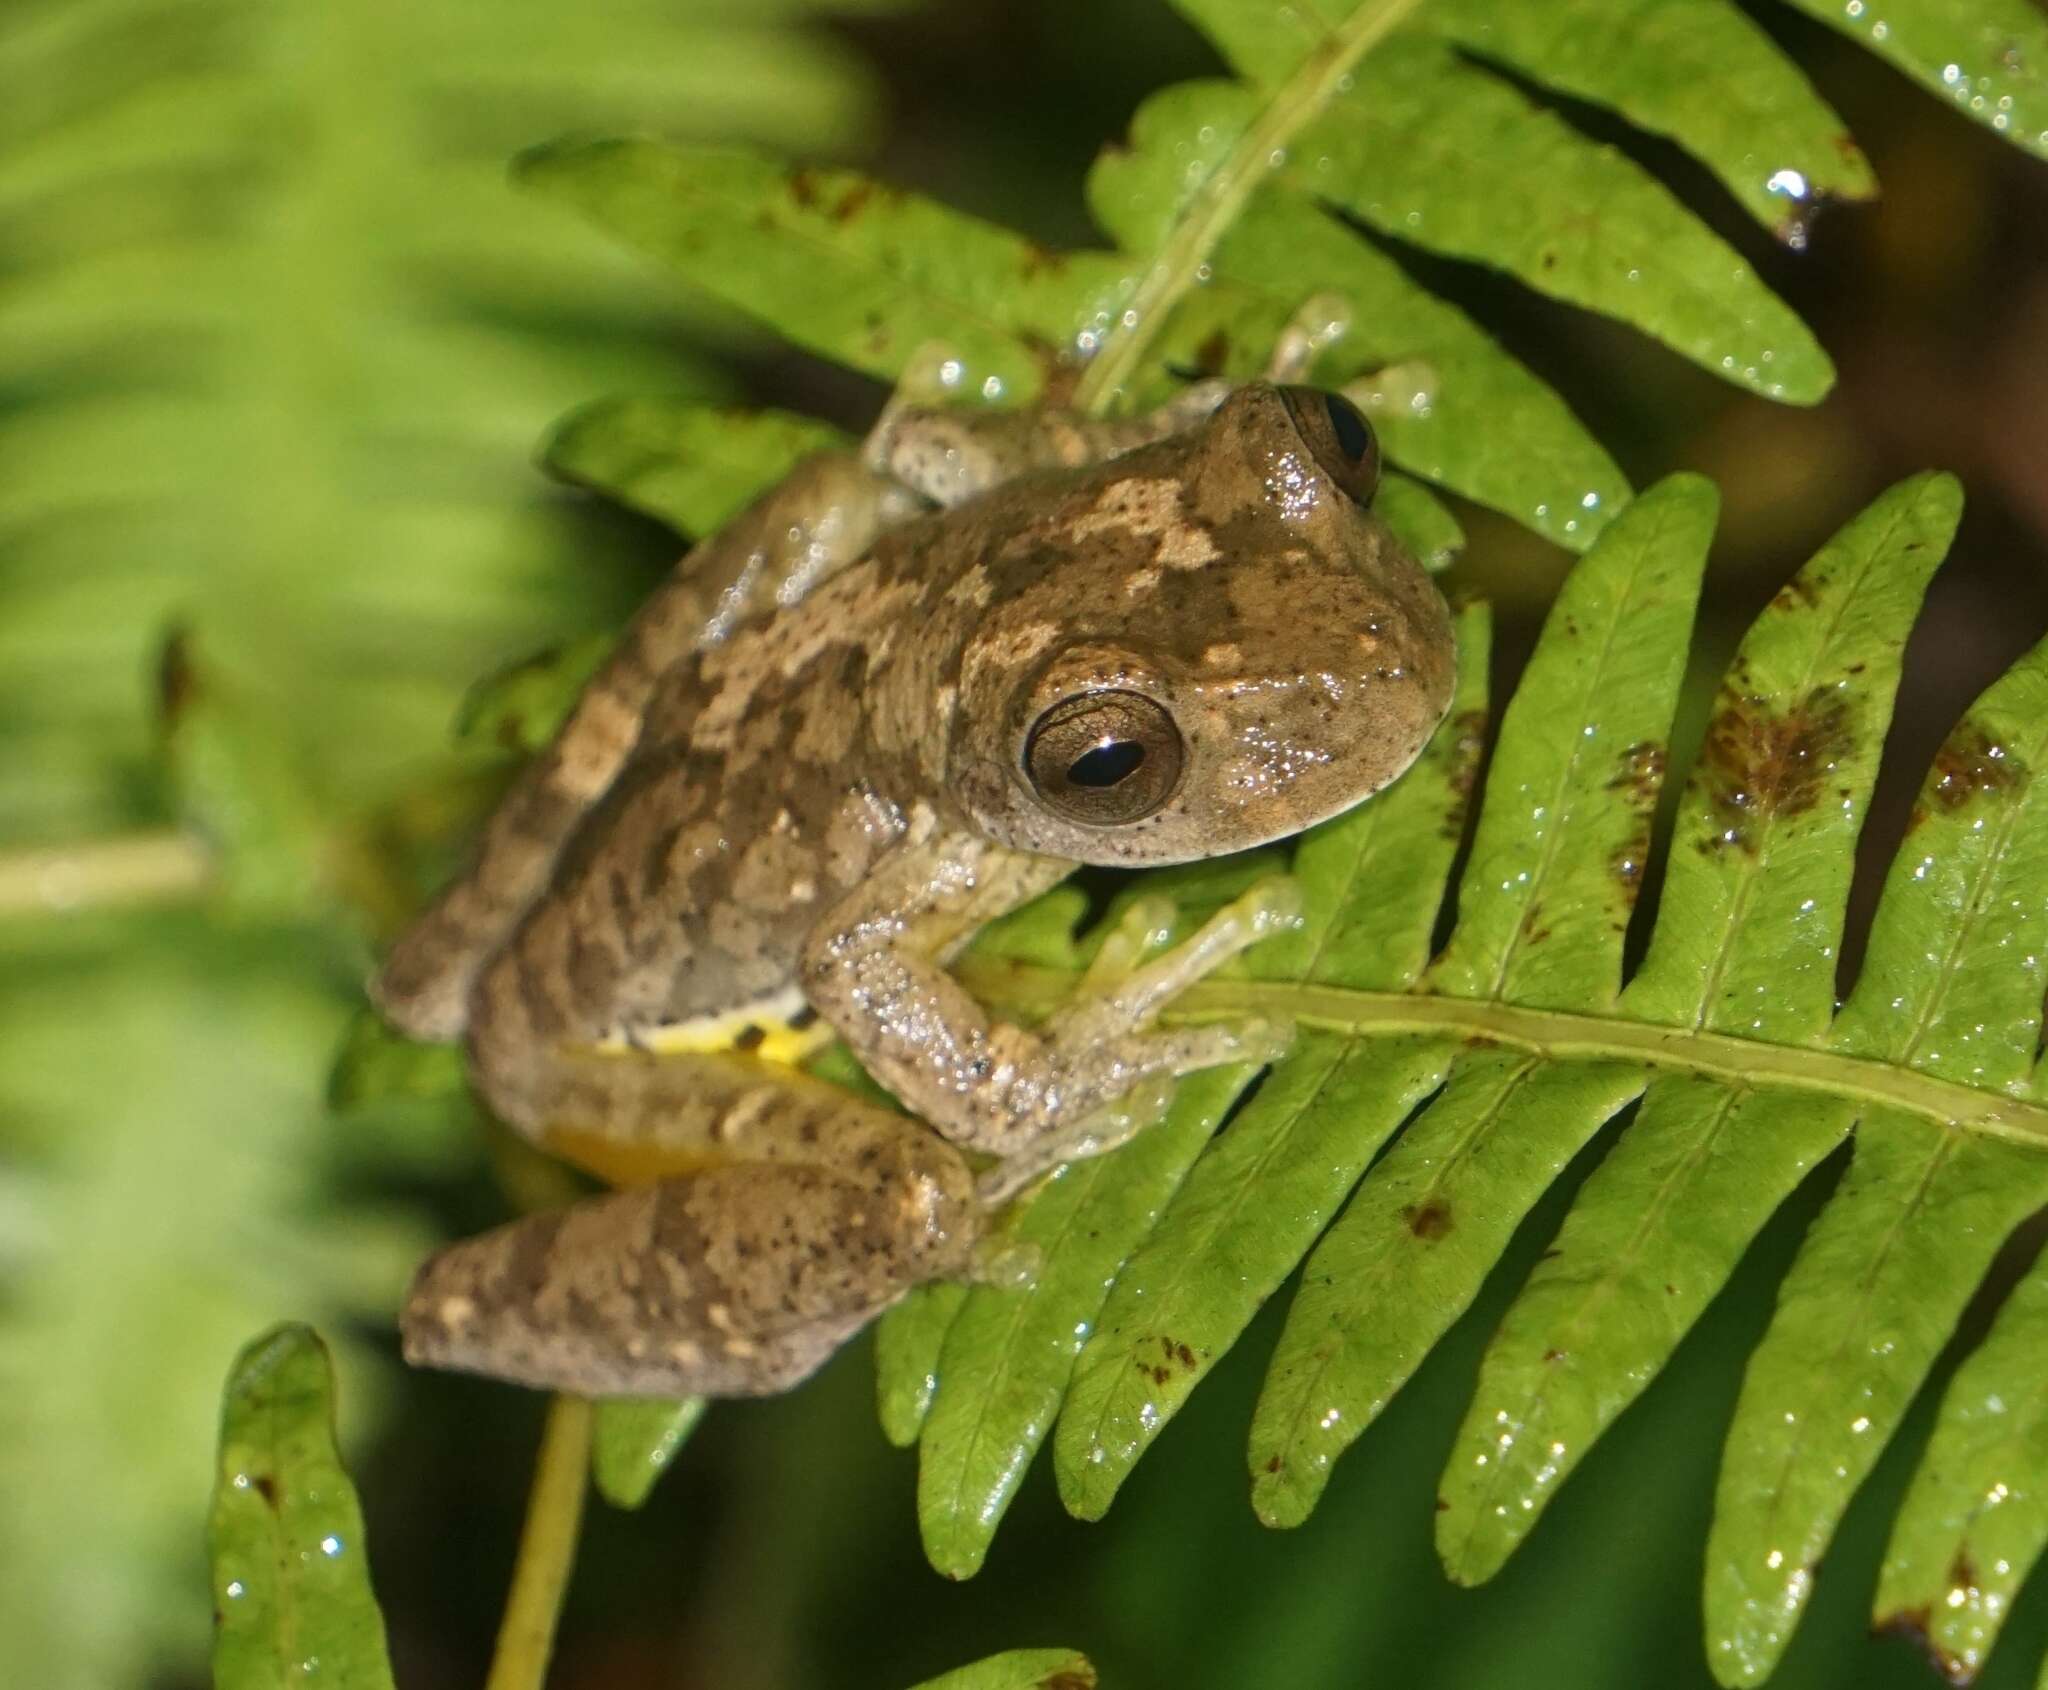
x=1208, y=643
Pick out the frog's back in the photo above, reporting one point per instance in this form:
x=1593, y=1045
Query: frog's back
x=752, y=802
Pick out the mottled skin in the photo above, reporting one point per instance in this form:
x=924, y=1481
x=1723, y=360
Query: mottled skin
x=812, y=766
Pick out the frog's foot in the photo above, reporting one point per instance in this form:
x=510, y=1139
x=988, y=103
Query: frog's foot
x=1408, y=388
x=1006, y=1264
x=931, y=378
x=1116, y=999
x=1320, y=322
x=1099, y=1134
x=1097, y=1070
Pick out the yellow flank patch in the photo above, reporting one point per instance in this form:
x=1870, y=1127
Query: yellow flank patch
x=761, y=1029
x=625, y=1162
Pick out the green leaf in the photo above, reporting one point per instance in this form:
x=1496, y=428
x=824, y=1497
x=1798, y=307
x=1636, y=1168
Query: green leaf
x=1486, y=427
x=1428, y=148
x=1008, y=1353
x=1872, y=1297
x=1559, y=853
x=1976, y=1518
x=291, y=1580
x=1985, y=57
x=1757, y=860
x=519, y=707
x=686, y=464
x=908, y=1341
x=1697, y=71
x=1019, y=1669
x=1420, y=522
x=374, y=1064
x=1952, y=986
x=633, y=1440
x=1952, y=982
x=849, y=267
x=1659, y=1227
x=1564, y=832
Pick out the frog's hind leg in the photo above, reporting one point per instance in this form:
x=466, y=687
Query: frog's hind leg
x=823, y=516
x=733, y=1281
x=802, y=1212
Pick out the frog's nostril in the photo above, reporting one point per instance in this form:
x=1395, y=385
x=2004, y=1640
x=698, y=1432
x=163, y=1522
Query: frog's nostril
x=1107, y=764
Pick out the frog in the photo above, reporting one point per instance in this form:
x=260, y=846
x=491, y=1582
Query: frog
x=906, y=691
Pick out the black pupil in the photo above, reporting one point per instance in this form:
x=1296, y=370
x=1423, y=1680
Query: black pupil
x=1106, y=764
x=1350, y=428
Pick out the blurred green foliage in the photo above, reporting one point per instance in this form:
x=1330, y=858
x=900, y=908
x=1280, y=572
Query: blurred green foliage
x=277, y=342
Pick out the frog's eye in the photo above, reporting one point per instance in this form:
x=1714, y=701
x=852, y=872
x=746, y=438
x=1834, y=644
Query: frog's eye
x=1336, y=431
x=1104, y=759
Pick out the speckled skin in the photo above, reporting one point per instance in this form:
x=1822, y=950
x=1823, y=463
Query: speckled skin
x=808, y=768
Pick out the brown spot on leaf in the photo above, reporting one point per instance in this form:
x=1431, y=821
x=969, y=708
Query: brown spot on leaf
x=177, y=680
x=1429, y=1220
x=1760, y=763
x=1042, y=261
x=803, y=187
x=1913, y=1625
x=266, y=1487
x=1465, y=742
x=1274, y=1463
x=1213, y=354
x=1640, y=774
x=1069, y=1678
x=848, y=206
x=1799, y=593
x=1185, y=1356
x=1970, y=765
x=1442, y=1505
x=1553, y=1355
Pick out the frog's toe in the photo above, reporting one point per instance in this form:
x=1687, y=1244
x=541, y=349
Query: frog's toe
x=1139, y=994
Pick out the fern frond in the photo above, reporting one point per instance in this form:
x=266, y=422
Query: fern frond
x=1428, y=1106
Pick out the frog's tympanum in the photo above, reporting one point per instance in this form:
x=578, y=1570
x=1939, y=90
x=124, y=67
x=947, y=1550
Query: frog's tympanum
x=900, y=695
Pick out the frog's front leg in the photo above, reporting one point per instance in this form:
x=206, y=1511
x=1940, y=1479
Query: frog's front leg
x=876, y=971
x=807, y=1214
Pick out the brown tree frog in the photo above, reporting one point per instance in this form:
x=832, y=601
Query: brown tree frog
x=904, y=692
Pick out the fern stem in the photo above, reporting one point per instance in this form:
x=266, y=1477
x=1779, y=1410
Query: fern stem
x=547, y=1549
x=1562, y=1036
x=1215, y=205
x=142, y=868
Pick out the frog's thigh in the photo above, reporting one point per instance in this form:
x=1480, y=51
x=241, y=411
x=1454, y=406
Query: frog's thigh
x=734, y=1281
x=635, y=1116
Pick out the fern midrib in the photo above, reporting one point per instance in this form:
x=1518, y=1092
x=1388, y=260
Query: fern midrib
x=1217, y=203
x=1561, y=1036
